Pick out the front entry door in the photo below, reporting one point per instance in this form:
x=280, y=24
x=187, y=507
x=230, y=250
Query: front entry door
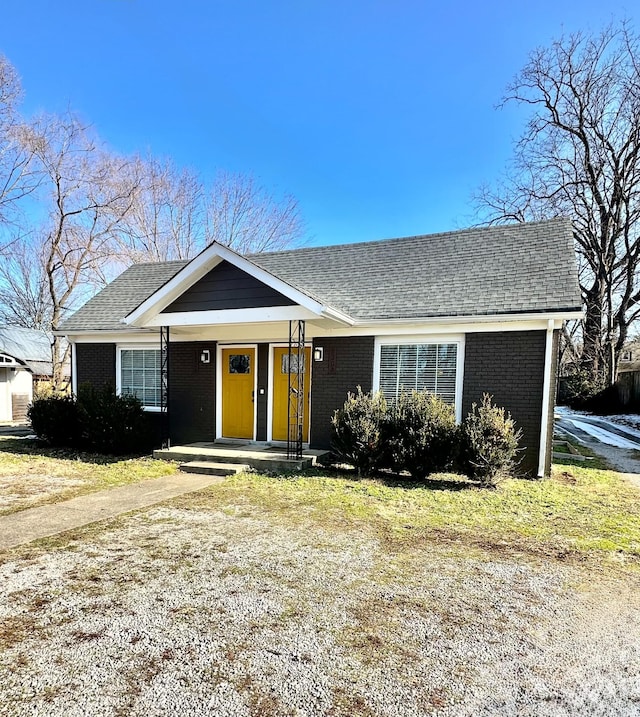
x=238, y=372
x=281, y=393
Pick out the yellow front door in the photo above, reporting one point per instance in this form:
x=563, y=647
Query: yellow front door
x=238, y=371
x=281, y=393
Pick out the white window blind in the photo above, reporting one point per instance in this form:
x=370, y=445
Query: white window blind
x=140, y=375
x=420, y=367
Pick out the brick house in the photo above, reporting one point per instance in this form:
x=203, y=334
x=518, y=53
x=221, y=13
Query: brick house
x=206, y=343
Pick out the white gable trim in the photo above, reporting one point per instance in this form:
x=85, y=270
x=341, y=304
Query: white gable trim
x=202, y=265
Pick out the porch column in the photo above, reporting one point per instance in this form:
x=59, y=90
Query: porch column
x=165, y=426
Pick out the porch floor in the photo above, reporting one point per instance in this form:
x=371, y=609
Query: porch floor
x=261, y=457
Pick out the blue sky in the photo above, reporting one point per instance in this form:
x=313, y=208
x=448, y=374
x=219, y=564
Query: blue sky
x=378, y=116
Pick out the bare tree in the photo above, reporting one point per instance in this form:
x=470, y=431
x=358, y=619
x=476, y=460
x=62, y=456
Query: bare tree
x=24, y=296
x=87, y=193
x=245, y=216
x=166, y=217
x=579, y=157
x=18, y=177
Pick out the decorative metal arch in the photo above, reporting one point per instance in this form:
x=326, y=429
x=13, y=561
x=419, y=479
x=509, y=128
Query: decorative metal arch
x=295, y=409
x=164, y=388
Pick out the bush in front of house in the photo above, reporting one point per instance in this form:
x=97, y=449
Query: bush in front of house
x=55, y=420
x=422, y=434
x=96, y=420
x=110, y=423
x=418, y=434
x=488, y=443
x=358, y=431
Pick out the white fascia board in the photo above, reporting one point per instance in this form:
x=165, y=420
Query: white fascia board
x=465, y=326
x=199, y=267
x=114, y=337
x=233, y=316
x=546, y=399
x=543, y=318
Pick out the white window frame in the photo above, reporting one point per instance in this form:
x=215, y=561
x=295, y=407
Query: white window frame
x=425, y=339
x=133, y=347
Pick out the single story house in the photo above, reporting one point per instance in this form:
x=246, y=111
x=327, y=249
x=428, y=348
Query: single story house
x=25, y=361
x=206, y=341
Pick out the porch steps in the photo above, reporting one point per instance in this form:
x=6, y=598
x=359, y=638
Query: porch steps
x=213, y=469
x=259, y=458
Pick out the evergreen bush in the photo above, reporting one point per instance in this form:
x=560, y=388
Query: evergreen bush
x=110, y=423
x=55, y=420
x=96, y=420
x=422, y=435
x=358, y=431
x=489, y=442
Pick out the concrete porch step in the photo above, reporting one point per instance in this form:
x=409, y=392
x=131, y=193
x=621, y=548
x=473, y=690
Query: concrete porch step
x=213, y=469
x=260, y=459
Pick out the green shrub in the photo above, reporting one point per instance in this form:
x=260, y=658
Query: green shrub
x=97, y=420
x=489, y=442
x=110, y=423
x=422, y=435
x=579, y=389
x=55, y=420
x=358, y=431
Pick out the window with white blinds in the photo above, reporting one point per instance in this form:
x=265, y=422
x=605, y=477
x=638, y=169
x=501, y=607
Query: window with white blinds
x=423, y=367
x=140, y=375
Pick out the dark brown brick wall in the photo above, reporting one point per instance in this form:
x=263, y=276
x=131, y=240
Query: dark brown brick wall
x=261, y=400
x=509, y=365
x=192, y=392
x=96, y=364
x=348, y=363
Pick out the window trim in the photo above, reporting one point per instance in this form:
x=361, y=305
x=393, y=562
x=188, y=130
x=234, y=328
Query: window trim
x=133, y=347
x=421, y=339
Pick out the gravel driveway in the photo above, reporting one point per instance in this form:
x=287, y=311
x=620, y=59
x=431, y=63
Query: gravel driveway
x=174, y=611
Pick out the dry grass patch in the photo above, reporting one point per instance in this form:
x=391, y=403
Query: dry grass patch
x=32, y=475
x=578, y=513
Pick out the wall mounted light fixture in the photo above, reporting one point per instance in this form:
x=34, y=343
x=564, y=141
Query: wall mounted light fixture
x=205, y=356
x=318, y=353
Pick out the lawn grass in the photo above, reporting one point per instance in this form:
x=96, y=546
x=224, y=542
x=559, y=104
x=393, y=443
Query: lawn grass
x=87, y=472
x=579, y=512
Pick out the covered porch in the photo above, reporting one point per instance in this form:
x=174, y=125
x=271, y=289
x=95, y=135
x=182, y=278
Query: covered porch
x=225, y=458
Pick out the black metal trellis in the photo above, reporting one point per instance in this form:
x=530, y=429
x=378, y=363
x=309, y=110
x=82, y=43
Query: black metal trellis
x=295, y=409
x=164, y=387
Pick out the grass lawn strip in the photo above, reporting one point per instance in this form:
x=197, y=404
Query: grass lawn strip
x=580, y=511
x=31, y=475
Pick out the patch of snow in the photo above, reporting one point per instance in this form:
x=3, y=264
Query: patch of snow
x=611, y=439
x=626, y=419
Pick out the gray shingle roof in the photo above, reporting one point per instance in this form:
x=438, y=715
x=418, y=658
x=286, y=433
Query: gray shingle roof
x=510, y=269
x=105, y=311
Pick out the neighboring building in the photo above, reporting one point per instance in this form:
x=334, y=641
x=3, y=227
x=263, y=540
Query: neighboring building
x=630, y=357
x=25, y=361
x=458, y=314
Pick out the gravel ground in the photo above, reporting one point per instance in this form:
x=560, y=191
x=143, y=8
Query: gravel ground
x=189, y=612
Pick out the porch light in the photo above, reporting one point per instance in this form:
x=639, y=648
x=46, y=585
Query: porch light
x=205, y=356
x=318, y=353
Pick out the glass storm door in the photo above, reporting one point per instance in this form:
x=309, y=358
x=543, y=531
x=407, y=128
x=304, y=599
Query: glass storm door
x=238, y=372
x=281, y=393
